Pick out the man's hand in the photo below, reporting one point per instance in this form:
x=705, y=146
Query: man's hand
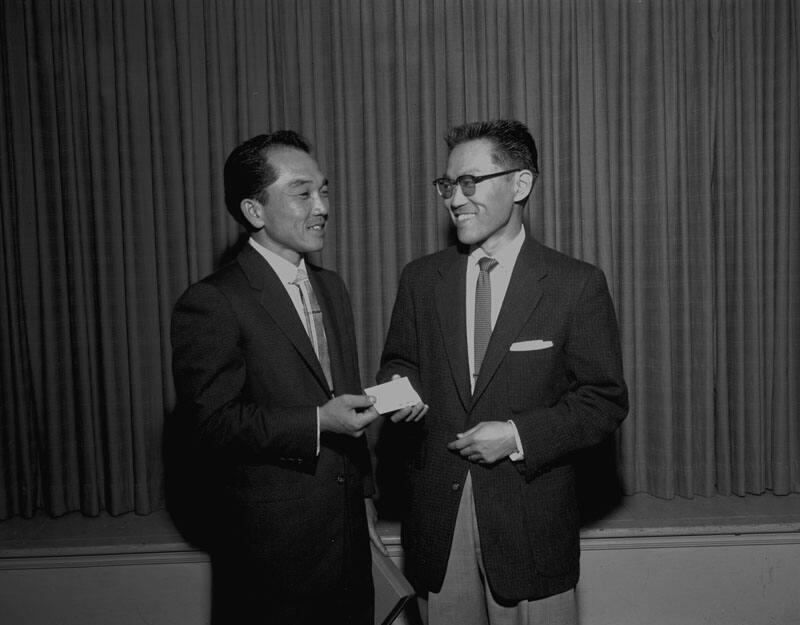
x=372, y=525
x=413, y=413
x=347, y=414
x=410, y=414
x=487, y=442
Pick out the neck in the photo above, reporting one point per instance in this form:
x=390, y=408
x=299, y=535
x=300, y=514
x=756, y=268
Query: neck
x=501, y=238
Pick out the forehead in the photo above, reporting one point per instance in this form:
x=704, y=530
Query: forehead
x=475, y=156
x=294, y=166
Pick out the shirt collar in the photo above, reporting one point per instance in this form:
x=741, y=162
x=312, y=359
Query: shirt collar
x=506, y=256
x=286, y=271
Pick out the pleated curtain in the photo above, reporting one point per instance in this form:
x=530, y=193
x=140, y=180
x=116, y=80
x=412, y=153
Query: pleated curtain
x=669, y=140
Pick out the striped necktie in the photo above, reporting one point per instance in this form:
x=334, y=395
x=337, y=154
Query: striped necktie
x=313, y=322
x=483, y=312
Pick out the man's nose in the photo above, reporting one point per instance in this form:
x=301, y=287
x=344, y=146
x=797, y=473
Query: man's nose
x=458, y=198
x=320, y=205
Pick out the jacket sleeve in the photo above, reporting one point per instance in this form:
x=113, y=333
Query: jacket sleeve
x=596, y=398
x=400, y=353
x=210, y=372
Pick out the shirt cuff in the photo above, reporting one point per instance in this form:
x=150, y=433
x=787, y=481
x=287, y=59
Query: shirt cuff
x=520, y=453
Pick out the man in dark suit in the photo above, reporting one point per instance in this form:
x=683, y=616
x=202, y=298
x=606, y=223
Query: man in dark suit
x=515, y=349
x=265, y=365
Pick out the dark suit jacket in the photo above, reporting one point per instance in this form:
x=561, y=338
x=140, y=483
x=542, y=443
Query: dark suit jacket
x=247, y=376
x=562, y=398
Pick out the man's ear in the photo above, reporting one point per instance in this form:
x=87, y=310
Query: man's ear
x=525, y=180
x=253, y=212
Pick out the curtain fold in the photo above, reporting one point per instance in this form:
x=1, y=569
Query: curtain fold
x=669, y=139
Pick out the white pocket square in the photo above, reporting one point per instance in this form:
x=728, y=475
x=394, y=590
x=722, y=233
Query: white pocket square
x=529, y=346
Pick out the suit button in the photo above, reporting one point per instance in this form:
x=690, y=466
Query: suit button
x=340, y=478
x=455, y=486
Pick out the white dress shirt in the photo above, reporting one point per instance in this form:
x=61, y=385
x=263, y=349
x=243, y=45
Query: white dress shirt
x=500, y=276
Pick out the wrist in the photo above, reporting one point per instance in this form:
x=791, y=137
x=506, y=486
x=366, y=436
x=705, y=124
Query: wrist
x=516, y=453
x=323, y=419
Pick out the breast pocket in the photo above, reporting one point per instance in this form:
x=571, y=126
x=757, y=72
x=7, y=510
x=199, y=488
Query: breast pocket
x=532, y=377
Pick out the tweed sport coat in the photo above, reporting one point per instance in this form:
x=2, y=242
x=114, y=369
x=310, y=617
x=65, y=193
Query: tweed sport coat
x=246, y=372
x=553, y=365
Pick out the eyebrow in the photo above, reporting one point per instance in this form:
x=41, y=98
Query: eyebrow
x=459, y=175
x=304, y=181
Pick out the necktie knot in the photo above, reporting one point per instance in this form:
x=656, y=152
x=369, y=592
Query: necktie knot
x=301, y=276
x=487, y=263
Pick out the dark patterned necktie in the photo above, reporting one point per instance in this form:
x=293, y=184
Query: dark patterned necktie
x=313, y=322
x=483, y=312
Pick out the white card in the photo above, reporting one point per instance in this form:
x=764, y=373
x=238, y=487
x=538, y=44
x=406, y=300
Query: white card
x=393, y=395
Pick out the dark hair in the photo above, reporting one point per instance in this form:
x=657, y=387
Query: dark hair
x=513, y=144
x=248, y=171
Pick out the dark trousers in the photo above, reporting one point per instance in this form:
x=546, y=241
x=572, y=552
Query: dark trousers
x=243, y=595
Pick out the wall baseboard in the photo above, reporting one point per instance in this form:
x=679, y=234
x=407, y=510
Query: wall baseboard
x=705, y=579
x=706, y=561
x=736, y=579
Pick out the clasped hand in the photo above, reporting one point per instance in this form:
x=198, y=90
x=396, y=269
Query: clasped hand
x=412, y=413
x=487, y=442
x=347, y=414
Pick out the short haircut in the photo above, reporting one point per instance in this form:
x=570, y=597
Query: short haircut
x=513, y=144
x=248, y=171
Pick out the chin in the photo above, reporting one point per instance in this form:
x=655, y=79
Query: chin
x=315, y=246
x=468, y=237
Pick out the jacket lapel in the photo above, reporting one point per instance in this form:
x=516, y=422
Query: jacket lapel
x=522, y=297
x=275, y=300
x=449, y=294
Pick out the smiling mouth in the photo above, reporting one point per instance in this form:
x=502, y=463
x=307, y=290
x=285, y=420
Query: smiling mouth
x=317, y=227
x=461, y=217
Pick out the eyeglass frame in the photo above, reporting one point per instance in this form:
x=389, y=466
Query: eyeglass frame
x=475, y=181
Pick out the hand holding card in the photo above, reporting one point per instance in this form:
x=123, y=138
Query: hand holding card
x=393, y=395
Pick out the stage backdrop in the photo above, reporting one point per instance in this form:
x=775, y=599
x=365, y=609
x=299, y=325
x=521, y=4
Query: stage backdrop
x=669, y=138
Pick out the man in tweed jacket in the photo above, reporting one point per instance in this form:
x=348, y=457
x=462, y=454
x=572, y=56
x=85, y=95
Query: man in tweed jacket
x=492, y=530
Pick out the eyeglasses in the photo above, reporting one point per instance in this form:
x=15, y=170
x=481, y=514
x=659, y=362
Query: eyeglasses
x=447, y=187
